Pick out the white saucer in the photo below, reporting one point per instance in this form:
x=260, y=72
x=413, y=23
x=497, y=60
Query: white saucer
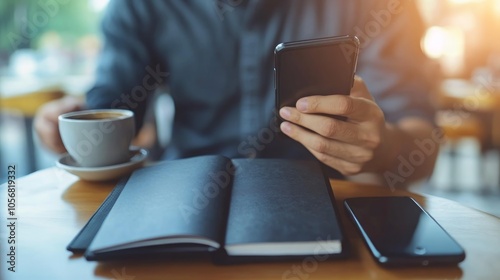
x=104, y=173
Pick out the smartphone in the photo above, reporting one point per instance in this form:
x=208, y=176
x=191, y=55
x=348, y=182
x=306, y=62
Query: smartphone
x=398, y=232
x=322, y=66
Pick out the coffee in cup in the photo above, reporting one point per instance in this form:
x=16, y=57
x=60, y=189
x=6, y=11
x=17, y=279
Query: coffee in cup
x=96, y=138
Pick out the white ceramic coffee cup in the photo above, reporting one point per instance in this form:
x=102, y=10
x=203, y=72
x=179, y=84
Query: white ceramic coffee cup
x=96, y=138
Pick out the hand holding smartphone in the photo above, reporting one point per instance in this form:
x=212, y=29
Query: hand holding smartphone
x=314, y=67
x=399, y=232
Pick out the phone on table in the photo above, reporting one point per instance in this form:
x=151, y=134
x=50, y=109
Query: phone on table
x=398, y=231
x=322, y=66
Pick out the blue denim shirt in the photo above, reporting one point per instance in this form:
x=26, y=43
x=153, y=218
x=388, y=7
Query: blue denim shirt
x=217, y=59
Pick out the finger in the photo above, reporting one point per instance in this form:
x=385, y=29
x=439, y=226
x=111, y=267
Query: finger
x=67, y=104
x=359, y=89
x=46, y=121
x=325, y=146
x=48, y=133
x=55, y=142
x=351, y=106
x=345, y=167
x=323, y=125
x=354, y=108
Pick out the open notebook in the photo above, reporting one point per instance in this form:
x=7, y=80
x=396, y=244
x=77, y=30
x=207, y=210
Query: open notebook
x=247, y=208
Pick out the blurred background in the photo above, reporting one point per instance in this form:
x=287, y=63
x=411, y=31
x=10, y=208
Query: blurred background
x=49, y=48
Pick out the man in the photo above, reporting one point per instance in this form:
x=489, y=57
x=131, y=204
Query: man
x=217, y=59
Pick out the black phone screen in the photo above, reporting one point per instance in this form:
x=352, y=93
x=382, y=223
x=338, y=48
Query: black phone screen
x=398, y=230
x=314, y=67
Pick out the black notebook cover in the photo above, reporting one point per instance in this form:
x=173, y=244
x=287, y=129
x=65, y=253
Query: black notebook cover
x=83, y=239
x=267, y=202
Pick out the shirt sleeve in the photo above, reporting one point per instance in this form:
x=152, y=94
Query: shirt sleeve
x=127, y=71
x=391, y=62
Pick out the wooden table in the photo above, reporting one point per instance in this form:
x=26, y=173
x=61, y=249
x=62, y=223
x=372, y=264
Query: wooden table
x=53, y=205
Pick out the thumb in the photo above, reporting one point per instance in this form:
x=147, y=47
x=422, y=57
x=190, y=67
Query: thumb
x=359, y=89
x=71, y=103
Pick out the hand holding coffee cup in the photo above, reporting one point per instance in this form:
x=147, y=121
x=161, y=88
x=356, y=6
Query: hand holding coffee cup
x=96, y=138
